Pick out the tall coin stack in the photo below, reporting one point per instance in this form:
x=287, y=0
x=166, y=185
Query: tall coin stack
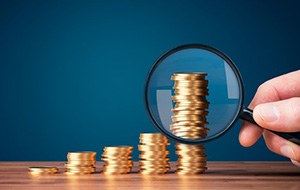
x=154, y=154
x=117, y=159
x=81, y=162
x=189, y=119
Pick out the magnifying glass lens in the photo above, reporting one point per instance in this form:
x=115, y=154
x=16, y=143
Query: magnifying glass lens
x=194, y=93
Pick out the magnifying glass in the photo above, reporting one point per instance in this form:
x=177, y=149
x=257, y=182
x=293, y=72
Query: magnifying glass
x=210, y=86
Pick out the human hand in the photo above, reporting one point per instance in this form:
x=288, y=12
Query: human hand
x=276, y=106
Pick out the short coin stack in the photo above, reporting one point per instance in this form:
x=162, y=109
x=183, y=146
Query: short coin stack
x=44, y=170
x=117, y=159
x=81, y=162
x=191, y=159
x=154, y=154
x=189, y=119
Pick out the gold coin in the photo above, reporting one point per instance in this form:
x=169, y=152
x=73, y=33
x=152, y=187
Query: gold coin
x=81, y=162
x=119, y=162
x=77, y=173
x=190, y=150
x=142, y=147
x=155, y=144
x=188, y=76
x=192, y=164
x=180, y=126
x=85, y=155
x=153, y=168
x=204, y=81
x=193, y=136
x=116, y=169
x=82, y=168
x=161, y=171
x=181, y=145
x=154, y=162
x=189, y=134
x=154, y=141
x=114, y=150
x=192, y=159
x=116, y=158
x=202, y=133
x=118, y=148
x=190, y=86
x=183, y=98
x=183, y=172
x=152, y=136
x=152, y=157
x=76, y=165
x=203, y=84
x=42, y=170
x=157, y=154
x=191, y=106
x=116, y=153
x=116, y=172
x=191, y=118
x=192, y=112
x=190, y=123
x=187, y=92
x=189, y=128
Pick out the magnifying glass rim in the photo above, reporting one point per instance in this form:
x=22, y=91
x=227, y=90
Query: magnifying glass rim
x=202, y=47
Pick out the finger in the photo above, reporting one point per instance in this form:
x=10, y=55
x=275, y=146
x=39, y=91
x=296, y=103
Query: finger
x=279, y=88
x=282, y=115
x=282, y=87
x=249, y=134
x=296, y=163
x=281, y=146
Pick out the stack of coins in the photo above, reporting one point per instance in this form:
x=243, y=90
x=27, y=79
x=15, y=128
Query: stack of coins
x=117, y=160
x=81, y=162
x=154, y=154
x=43, y=170
x=191, y=159
x=190, y=111
x=189, y=119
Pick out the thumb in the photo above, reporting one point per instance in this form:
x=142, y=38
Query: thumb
x=283, y=116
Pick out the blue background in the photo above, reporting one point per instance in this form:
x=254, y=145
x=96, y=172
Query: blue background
x=72, y=72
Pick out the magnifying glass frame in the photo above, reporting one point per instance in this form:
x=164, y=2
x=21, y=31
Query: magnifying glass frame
x=232, y=66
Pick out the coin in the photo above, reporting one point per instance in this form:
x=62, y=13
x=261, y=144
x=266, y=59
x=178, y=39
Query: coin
x=43, y=170
x=190, y=106
x=84, y=155
x=188, y=76
x=195, y=91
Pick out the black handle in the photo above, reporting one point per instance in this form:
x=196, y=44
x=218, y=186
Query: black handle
x=294, y=137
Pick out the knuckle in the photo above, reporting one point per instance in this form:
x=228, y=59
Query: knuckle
x=294, y=105
x=296, y=153
x=265, y=87
x=268, y=141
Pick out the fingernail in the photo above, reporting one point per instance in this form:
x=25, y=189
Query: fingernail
x=287, y=151
x=268, y=113
x=296, y=163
